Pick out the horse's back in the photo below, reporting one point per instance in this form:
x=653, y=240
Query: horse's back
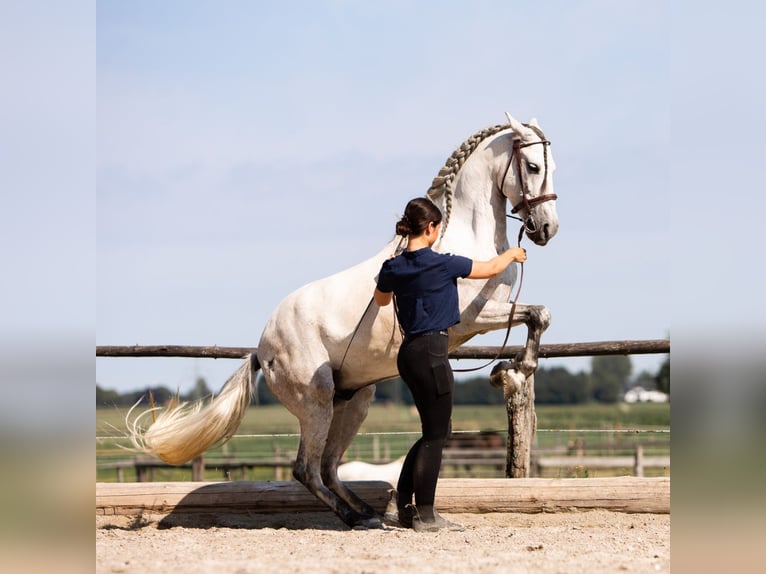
x=313, y=323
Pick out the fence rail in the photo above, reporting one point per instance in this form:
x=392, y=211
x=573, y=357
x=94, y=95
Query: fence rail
x=630, y=347
x=457, y=461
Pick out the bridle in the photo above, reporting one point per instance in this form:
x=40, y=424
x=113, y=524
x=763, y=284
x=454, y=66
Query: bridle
x=527, y=202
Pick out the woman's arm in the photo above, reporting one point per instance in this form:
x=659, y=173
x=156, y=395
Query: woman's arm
x=498, y=264
x=382, y=298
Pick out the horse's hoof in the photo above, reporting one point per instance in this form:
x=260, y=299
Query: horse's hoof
x=368, y=524
x=496, y=378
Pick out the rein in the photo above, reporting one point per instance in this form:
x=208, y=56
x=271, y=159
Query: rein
x=510, y=315
x=366, y=309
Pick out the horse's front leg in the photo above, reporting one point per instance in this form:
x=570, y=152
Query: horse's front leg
x=516, y=377
x=493, y=315
x=515, y=372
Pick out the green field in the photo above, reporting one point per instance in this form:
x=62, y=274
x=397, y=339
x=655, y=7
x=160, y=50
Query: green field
x=269, y=431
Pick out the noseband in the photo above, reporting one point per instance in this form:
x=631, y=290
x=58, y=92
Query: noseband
x=527, y=202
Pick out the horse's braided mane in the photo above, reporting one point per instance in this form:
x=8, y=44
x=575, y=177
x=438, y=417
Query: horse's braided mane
x=442, y=183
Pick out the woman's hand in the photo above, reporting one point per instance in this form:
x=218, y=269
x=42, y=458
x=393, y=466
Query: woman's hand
x=487, y=269
x=519, y=254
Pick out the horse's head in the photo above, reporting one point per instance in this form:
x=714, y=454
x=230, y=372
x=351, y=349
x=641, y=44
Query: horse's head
x=527, y=181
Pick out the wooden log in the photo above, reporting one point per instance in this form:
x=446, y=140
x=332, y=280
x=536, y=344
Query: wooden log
x=223, y=497
x=638, y=347
x=475, y=461
x=531, y=495
x=588, y=349
x=524, y=495
x=195, y=351
x=604, y=462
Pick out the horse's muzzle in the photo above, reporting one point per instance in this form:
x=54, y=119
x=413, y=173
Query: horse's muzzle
x=540, y=234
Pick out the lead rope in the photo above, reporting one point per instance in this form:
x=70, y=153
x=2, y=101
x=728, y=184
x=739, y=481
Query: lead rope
x=510, y=316
x=397, y=251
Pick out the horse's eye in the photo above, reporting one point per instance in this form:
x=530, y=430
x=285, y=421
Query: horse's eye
x=533, y=167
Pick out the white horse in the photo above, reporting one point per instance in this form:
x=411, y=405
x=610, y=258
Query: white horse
x=360, y=470
x=326, y=344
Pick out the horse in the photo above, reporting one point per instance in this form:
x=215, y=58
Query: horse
x=360, y=470
x=327, y=344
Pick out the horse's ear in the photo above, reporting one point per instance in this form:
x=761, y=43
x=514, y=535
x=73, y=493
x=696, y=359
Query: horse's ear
x=516, y=125
x=533, y=122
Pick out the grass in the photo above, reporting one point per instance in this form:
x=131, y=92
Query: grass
x=606, y=429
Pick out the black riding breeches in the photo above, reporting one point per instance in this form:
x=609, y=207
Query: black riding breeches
x=424, y=366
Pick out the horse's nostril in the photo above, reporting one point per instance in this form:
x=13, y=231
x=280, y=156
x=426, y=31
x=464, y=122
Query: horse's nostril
x=546, y=231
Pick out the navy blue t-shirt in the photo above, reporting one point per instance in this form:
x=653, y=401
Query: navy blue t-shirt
x=425, y=285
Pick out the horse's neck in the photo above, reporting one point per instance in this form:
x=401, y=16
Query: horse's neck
x=477, y=225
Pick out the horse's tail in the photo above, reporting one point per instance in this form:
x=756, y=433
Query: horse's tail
x=182, y=431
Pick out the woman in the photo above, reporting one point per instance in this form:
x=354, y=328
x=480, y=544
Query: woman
x=423, y=285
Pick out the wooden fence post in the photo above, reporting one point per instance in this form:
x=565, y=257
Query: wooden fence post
x=198, y=469
x=522, y=423
x=143, y=473
x=638, y=467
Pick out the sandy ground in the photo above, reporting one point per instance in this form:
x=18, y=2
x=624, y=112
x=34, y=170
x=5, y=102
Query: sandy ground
x=572, y=542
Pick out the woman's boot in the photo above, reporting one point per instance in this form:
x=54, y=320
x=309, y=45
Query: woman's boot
x=397, y=514
x=426, y=519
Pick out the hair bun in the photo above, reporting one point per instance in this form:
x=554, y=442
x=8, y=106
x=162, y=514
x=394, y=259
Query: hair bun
x=417, y=215
x=403, y=226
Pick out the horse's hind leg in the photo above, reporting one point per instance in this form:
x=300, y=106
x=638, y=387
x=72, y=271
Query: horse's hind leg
x=315, y=413
x=347, y=418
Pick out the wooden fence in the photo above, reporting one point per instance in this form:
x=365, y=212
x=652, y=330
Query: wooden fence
x=464, y=462
x=493, y=457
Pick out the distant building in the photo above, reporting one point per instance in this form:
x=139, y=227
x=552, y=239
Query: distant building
x=641, y=395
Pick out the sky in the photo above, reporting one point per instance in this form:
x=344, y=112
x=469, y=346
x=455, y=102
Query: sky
x=245, y=149
x=169, y=171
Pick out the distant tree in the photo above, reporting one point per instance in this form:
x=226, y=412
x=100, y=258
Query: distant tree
x=262, y=394
x=644, y=379
x=559, y=386
x=160, y=395
x=105, y=397
x=477, y=391
x=200, y=390
x=393, y=390
x=663, y=376
x=473, y=391
x=609, y=376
